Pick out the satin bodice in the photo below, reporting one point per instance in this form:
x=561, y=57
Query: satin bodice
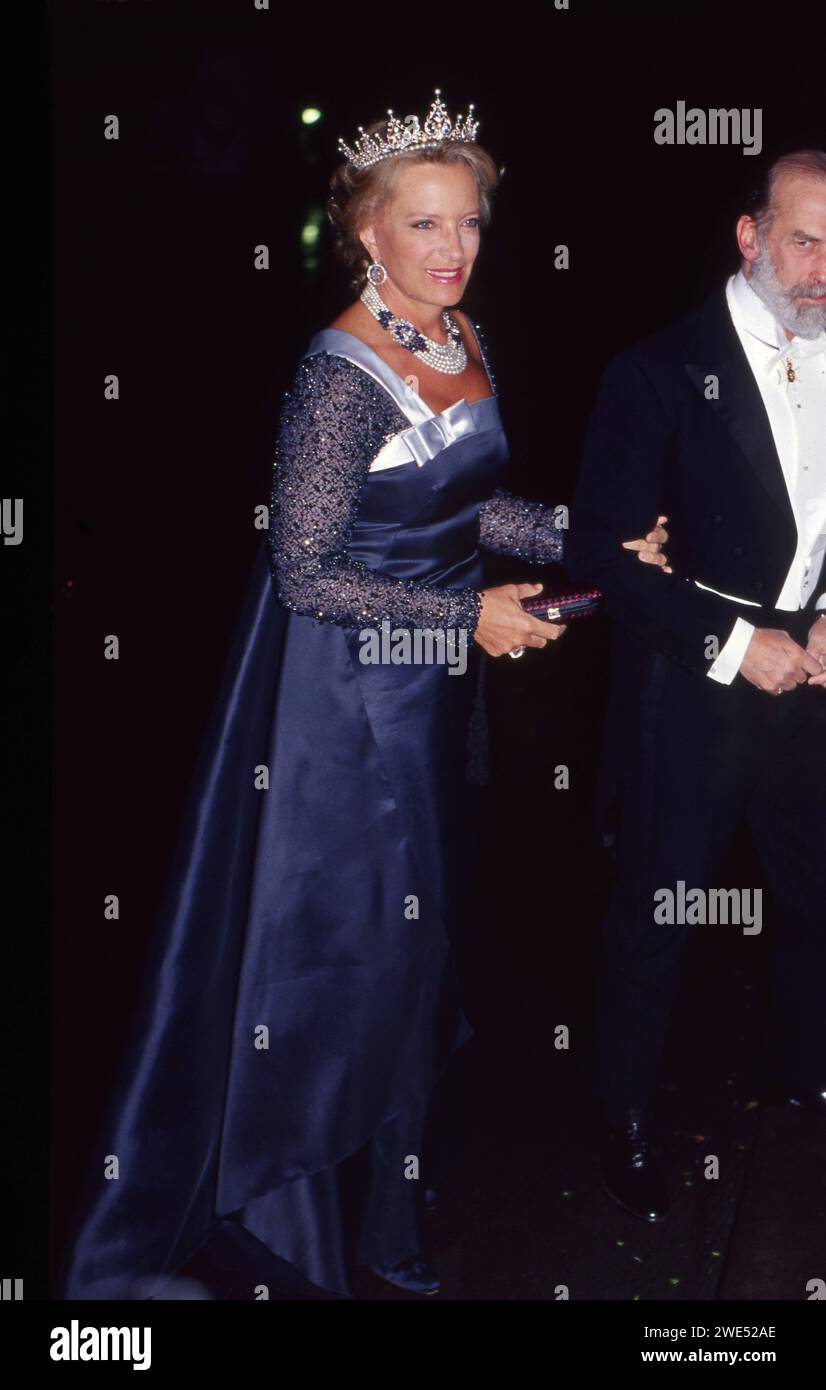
x=419, y=511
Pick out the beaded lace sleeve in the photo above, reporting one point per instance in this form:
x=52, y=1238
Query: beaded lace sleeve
x=510, y=525
x=334, y=420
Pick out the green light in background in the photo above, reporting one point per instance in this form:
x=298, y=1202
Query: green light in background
x=310, y=115
x=311, y=236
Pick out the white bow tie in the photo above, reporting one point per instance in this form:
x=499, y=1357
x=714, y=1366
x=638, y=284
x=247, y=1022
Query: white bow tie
x=799, y=350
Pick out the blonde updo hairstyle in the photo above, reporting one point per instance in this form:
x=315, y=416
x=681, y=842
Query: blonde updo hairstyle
x=357, y=195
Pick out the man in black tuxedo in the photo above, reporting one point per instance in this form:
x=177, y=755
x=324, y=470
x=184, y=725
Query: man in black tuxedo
x=719, y=686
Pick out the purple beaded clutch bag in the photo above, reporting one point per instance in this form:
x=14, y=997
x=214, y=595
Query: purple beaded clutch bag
x=561, y=608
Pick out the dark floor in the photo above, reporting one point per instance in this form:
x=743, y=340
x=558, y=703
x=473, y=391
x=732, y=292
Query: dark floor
x=778, y=1247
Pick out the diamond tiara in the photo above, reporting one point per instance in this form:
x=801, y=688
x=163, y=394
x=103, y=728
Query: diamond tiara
x=409, y=134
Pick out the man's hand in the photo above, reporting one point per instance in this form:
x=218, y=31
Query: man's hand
x=774, y=662
x=650, y=550
x=816, y=647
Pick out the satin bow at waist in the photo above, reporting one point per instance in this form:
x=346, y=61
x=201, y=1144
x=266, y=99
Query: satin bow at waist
x=424, y=441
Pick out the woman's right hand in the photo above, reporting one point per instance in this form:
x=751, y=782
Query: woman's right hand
x=503, y=623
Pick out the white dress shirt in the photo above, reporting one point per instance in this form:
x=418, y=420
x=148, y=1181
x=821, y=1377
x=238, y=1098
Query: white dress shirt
x=797, y=416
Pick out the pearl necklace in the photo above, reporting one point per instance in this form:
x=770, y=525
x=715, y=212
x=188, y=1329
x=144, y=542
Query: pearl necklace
x=443, y=357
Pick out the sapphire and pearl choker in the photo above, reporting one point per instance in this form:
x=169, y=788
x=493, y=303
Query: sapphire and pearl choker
x=443, y=357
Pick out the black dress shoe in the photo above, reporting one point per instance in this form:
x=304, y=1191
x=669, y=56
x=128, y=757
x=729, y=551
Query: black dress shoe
x=630, y=1173
x=413, y=1274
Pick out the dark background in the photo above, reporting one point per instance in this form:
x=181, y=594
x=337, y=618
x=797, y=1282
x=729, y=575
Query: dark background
x=153, y=280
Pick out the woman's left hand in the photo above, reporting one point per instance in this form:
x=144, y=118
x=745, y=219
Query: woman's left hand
x=650, y=550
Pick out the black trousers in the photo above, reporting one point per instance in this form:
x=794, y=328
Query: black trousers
x=704, y=757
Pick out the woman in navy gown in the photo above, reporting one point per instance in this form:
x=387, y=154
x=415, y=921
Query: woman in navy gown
x=299, y=1002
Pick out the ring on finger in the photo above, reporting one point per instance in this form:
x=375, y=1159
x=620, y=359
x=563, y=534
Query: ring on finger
x=517, y=651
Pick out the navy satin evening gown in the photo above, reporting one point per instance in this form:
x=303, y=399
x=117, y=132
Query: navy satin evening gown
x=300, y=1000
